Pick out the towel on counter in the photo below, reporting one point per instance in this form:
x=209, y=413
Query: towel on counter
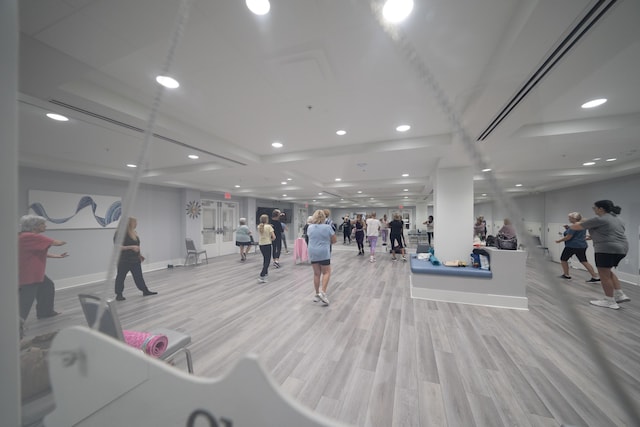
x=153, y=345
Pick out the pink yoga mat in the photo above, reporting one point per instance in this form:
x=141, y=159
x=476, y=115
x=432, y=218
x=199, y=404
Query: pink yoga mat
x=153, y=345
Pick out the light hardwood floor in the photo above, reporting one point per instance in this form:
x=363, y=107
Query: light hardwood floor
x=376, y=357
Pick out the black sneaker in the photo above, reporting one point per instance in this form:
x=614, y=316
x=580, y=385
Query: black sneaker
x=592, y=280
x=564, y=276
x=120, y=298
x=147, y=293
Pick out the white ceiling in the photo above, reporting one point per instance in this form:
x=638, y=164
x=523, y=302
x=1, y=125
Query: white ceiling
x=311, y=67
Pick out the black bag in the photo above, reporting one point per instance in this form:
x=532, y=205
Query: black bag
x=503, y=242
x=490, y=241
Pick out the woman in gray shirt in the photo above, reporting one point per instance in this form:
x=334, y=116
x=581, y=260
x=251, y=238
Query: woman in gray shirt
x=610, y=246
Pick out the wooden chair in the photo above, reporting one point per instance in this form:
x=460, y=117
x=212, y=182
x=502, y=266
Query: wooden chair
x=193, y=252
x=110, y=325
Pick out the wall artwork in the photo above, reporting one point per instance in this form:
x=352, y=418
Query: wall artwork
x=75, y=211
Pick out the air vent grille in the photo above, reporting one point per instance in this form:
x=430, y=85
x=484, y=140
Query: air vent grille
x=581, y=28
x=137, y=129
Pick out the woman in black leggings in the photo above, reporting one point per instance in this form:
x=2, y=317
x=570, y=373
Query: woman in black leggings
x=360, y=234
x=396, y=227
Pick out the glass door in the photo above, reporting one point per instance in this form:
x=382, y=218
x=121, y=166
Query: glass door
x=219, y=221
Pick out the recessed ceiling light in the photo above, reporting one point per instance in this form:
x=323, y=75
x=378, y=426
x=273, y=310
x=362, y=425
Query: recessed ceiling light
x=314, y=200
x=338, y=179
x=284, y=195
x=341, y=132
x=131, y=165
x=405, y=175
x=518, y=185
x=284, y=183
x=613, y=159
x=486, y=170
x=193, y=156
x=596, y=159
x=594, y=103
x=406, y=197
x=406, y=189
x=588, y=163
x=320, y=194
x=397, y=10
x=288, y=179
x=370, y=198
x=237, y=186
x=276, y=144
x=259, y=7
x=359, y=191
x=168, y=82
x=484, y=194
x=403, y=128
x=57, y=117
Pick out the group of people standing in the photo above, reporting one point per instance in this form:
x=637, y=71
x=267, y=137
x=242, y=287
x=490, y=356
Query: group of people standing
x=607, y=231
x=33, y=251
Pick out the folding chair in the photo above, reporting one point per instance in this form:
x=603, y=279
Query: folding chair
x=110, y=325
x=192, y=251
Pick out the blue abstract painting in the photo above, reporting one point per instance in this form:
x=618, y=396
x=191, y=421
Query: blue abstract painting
x=69, y=210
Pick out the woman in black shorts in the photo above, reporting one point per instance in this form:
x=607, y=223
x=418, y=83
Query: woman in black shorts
x=611, y=246
x=575, y=243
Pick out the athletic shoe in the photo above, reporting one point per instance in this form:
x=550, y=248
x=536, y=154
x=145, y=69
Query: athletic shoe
x=53, y=313
x=394, y=259
x=605, y=302
x=372, y=259
x=316, y=298
x=564, y=276
x=323, y=298
x=621, y=297
x=120, y=298
x=147, y=293
x=592, y=280
x=262, y=279
x=276, y=264
x=404, y=258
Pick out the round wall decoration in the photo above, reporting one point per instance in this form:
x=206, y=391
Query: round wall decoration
x=194, y=209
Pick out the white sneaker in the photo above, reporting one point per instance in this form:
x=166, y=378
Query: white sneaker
x=323, y=298
x=371, y=258
x=404, y=258
x=316, y=298
x=605, y=302
x=621, y=297
x=263, y=279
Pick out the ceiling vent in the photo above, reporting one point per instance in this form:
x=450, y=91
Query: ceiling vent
x=140, y=130
x=593, y=15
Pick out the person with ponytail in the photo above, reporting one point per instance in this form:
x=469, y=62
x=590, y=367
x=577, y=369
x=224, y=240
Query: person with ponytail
x=611, y=246
x=267, y=236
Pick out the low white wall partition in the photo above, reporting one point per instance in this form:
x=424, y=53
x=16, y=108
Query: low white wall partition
x=506, y=288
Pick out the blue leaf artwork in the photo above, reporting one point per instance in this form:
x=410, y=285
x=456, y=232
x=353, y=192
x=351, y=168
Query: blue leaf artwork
x=112, y=214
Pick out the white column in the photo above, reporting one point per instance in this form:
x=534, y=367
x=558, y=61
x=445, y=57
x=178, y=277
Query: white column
x=9, y=356
x=453, y=212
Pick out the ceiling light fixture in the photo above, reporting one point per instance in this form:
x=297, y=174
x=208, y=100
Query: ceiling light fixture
x=588, y=163
x=259, y=7
x=484, y=194
x=359, y=191
x=57, y=117
x=613, y=159
x=397, y=10
x=341, y=132
x=518, y=185
x=193, y=157
x=404, y=175
x=237, y=186
x=168, y=82
x=284, y=183
x=320, y=194
x=288, y=179
x=406, y=189
x=284, y=195
x=486, y=170
x=131, y=165
x=403, y=128
x=594, y=103
x=338, y=179
x=277, y=144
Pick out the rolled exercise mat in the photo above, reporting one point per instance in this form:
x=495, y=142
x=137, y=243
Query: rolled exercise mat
x=153, y=345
